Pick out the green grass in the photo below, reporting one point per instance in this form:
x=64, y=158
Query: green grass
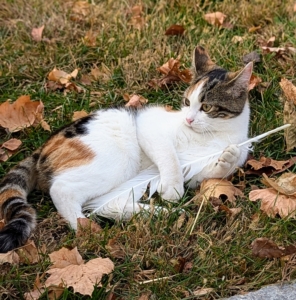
x=217, y=255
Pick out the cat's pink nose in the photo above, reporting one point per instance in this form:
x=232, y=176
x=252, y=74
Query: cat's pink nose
x=189, y=121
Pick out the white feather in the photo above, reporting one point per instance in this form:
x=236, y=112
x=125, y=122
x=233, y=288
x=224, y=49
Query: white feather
x=131, y=191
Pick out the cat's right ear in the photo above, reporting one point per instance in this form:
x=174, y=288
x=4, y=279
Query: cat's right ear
x=201, y=62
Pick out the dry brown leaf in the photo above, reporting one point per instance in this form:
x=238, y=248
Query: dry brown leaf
x=101, y=74
x=254, y=29
x=219, y=189
x=61, y=76
x=87, y=226
x=202, y=292
x=52, y=292
x=37, y=33
x=216, y=18
x=289, y=112
x=135, y=101
x=237, y=39
x=289, y=90
x=285, y=184
x=10, y=257
x=79, y=114
x=90, y=39
x=81, y=277
x=175, y=30
x=12, y=144
x=266, y=248
x=273, y=203
x=137, y=19
x=254, y=81
x=80, y=10
x=294, y=8
x=115, y=249
x=21, y=113
x=145, y=296
x=172, y=72
x=65, y=257
x=268, y=165
x=28, y=253
x=86, y=79
x=279, y=51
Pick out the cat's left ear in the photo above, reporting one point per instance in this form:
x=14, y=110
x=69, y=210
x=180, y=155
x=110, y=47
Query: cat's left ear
x=242, y=78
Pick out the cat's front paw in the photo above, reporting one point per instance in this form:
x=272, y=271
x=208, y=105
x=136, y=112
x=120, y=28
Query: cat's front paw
x=228, y=161
x=171, y=192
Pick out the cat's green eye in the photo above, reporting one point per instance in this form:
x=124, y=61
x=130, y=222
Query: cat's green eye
x=186, y=102
x=206, y=107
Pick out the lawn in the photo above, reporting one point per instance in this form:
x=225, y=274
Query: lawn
x=155, y=257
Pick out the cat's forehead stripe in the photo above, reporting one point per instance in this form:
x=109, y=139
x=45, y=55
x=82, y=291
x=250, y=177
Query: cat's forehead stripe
x=194, y=87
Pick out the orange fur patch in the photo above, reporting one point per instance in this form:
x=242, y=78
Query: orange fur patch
x=9, y=193
x=63, y=153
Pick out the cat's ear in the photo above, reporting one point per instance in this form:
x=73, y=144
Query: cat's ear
x=201, y=62
x=242, y=78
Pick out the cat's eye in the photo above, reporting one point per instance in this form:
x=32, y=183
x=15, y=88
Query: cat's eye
x=206, y=107
x=186, y=102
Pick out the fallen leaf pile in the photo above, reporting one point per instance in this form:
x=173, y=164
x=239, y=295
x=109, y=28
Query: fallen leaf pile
x=69, y=270
x=172, y=73
x=21, y=114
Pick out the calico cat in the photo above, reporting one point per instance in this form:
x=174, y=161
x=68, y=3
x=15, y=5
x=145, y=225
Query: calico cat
x=94, y=154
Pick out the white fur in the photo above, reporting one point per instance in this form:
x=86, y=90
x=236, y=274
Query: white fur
x=125, y=143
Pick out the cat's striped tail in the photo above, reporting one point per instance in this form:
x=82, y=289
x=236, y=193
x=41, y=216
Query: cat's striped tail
x=19, y=217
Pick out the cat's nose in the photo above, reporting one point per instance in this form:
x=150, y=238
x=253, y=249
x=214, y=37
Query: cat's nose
x=189, y=121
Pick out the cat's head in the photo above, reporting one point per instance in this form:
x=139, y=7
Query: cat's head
x=216, y=98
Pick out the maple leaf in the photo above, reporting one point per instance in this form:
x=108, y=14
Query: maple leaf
x=280, y=196
x=175, y=30
x=21, y=113
x=289, y=112
x=37, y=33
x=73, y=272
x=8, y=148
x=134, y=100
x=266, y=248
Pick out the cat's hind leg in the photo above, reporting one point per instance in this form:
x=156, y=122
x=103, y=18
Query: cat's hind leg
x=67, y=202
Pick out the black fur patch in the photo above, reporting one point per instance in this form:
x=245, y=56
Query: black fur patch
x=14, y=178
x=219, y=74
x=78, y=127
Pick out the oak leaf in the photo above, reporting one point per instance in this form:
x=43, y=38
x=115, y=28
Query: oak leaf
x=21, y=113
x=134, y=100
x=37, y=33
x=266, y=248
x=175, y=30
